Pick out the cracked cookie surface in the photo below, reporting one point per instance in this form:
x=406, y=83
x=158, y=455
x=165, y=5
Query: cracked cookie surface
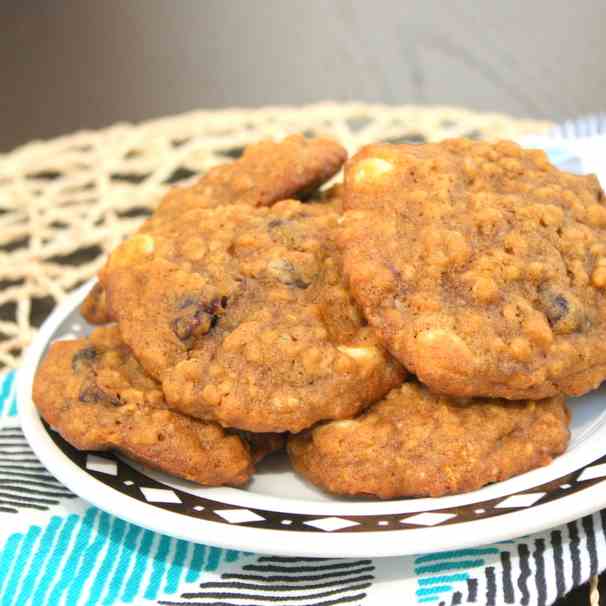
x=482, y=266
x=414, y=443
x=98, y=397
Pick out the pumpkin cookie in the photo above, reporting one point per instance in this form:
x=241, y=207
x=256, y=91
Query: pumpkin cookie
x=97, y=396
x=243, y=316
x=482, y=266
x=414, y=443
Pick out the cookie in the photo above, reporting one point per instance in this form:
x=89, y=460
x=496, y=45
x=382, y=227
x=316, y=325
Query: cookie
x=260, y=445
x=482, y=266
x=267, y=172
x=94, y=307
x=97, y=396
x=414, y=443
x=243, y=316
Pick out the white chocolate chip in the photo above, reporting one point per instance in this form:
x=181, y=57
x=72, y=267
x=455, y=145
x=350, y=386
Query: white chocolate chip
x=359, y=353
x=130, y=251
x=344, y=424
x=371, y=169
x=147, y=244
x=442, y=350
x=285, y=403
x=440, y=335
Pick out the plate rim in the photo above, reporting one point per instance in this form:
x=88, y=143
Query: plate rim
x=343, y=543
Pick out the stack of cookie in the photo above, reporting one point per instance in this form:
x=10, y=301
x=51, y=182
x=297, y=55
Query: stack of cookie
x=239, y=317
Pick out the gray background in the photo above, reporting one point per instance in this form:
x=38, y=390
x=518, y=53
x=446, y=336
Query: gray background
x=71, y=64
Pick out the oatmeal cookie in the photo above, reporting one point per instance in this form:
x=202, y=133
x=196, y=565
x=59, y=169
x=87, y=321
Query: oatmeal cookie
x=414, y=443
x=243, y=316
x=267, y=172
x=94, y=307
x=97, y=396
x=482, y=266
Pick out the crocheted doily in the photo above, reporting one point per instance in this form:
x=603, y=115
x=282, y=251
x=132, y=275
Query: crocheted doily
x=64, y=203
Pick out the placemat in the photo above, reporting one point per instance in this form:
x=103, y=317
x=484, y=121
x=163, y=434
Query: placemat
x=63, y=204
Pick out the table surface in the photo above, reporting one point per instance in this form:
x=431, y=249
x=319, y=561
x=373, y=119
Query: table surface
x=60, y=72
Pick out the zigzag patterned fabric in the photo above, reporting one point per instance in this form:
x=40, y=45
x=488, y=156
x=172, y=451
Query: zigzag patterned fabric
x=57, y=549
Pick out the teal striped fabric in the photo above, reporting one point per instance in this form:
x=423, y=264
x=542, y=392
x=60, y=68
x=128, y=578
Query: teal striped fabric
x=97, y=559
x=8, y=396
x=434, y=570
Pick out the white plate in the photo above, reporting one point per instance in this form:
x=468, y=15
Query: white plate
x=279, y=513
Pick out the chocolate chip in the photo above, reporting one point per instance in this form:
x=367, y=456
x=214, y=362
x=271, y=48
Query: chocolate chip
x=275, y=223
x=83, y=358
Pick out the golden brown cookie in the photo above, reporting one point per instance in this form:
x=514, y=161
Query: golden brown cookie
x=481, y=265
x=94, y=307
x=97, y=396
x=260, y=445
x=268, y=171
x=243, y=316
x=414, y=443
